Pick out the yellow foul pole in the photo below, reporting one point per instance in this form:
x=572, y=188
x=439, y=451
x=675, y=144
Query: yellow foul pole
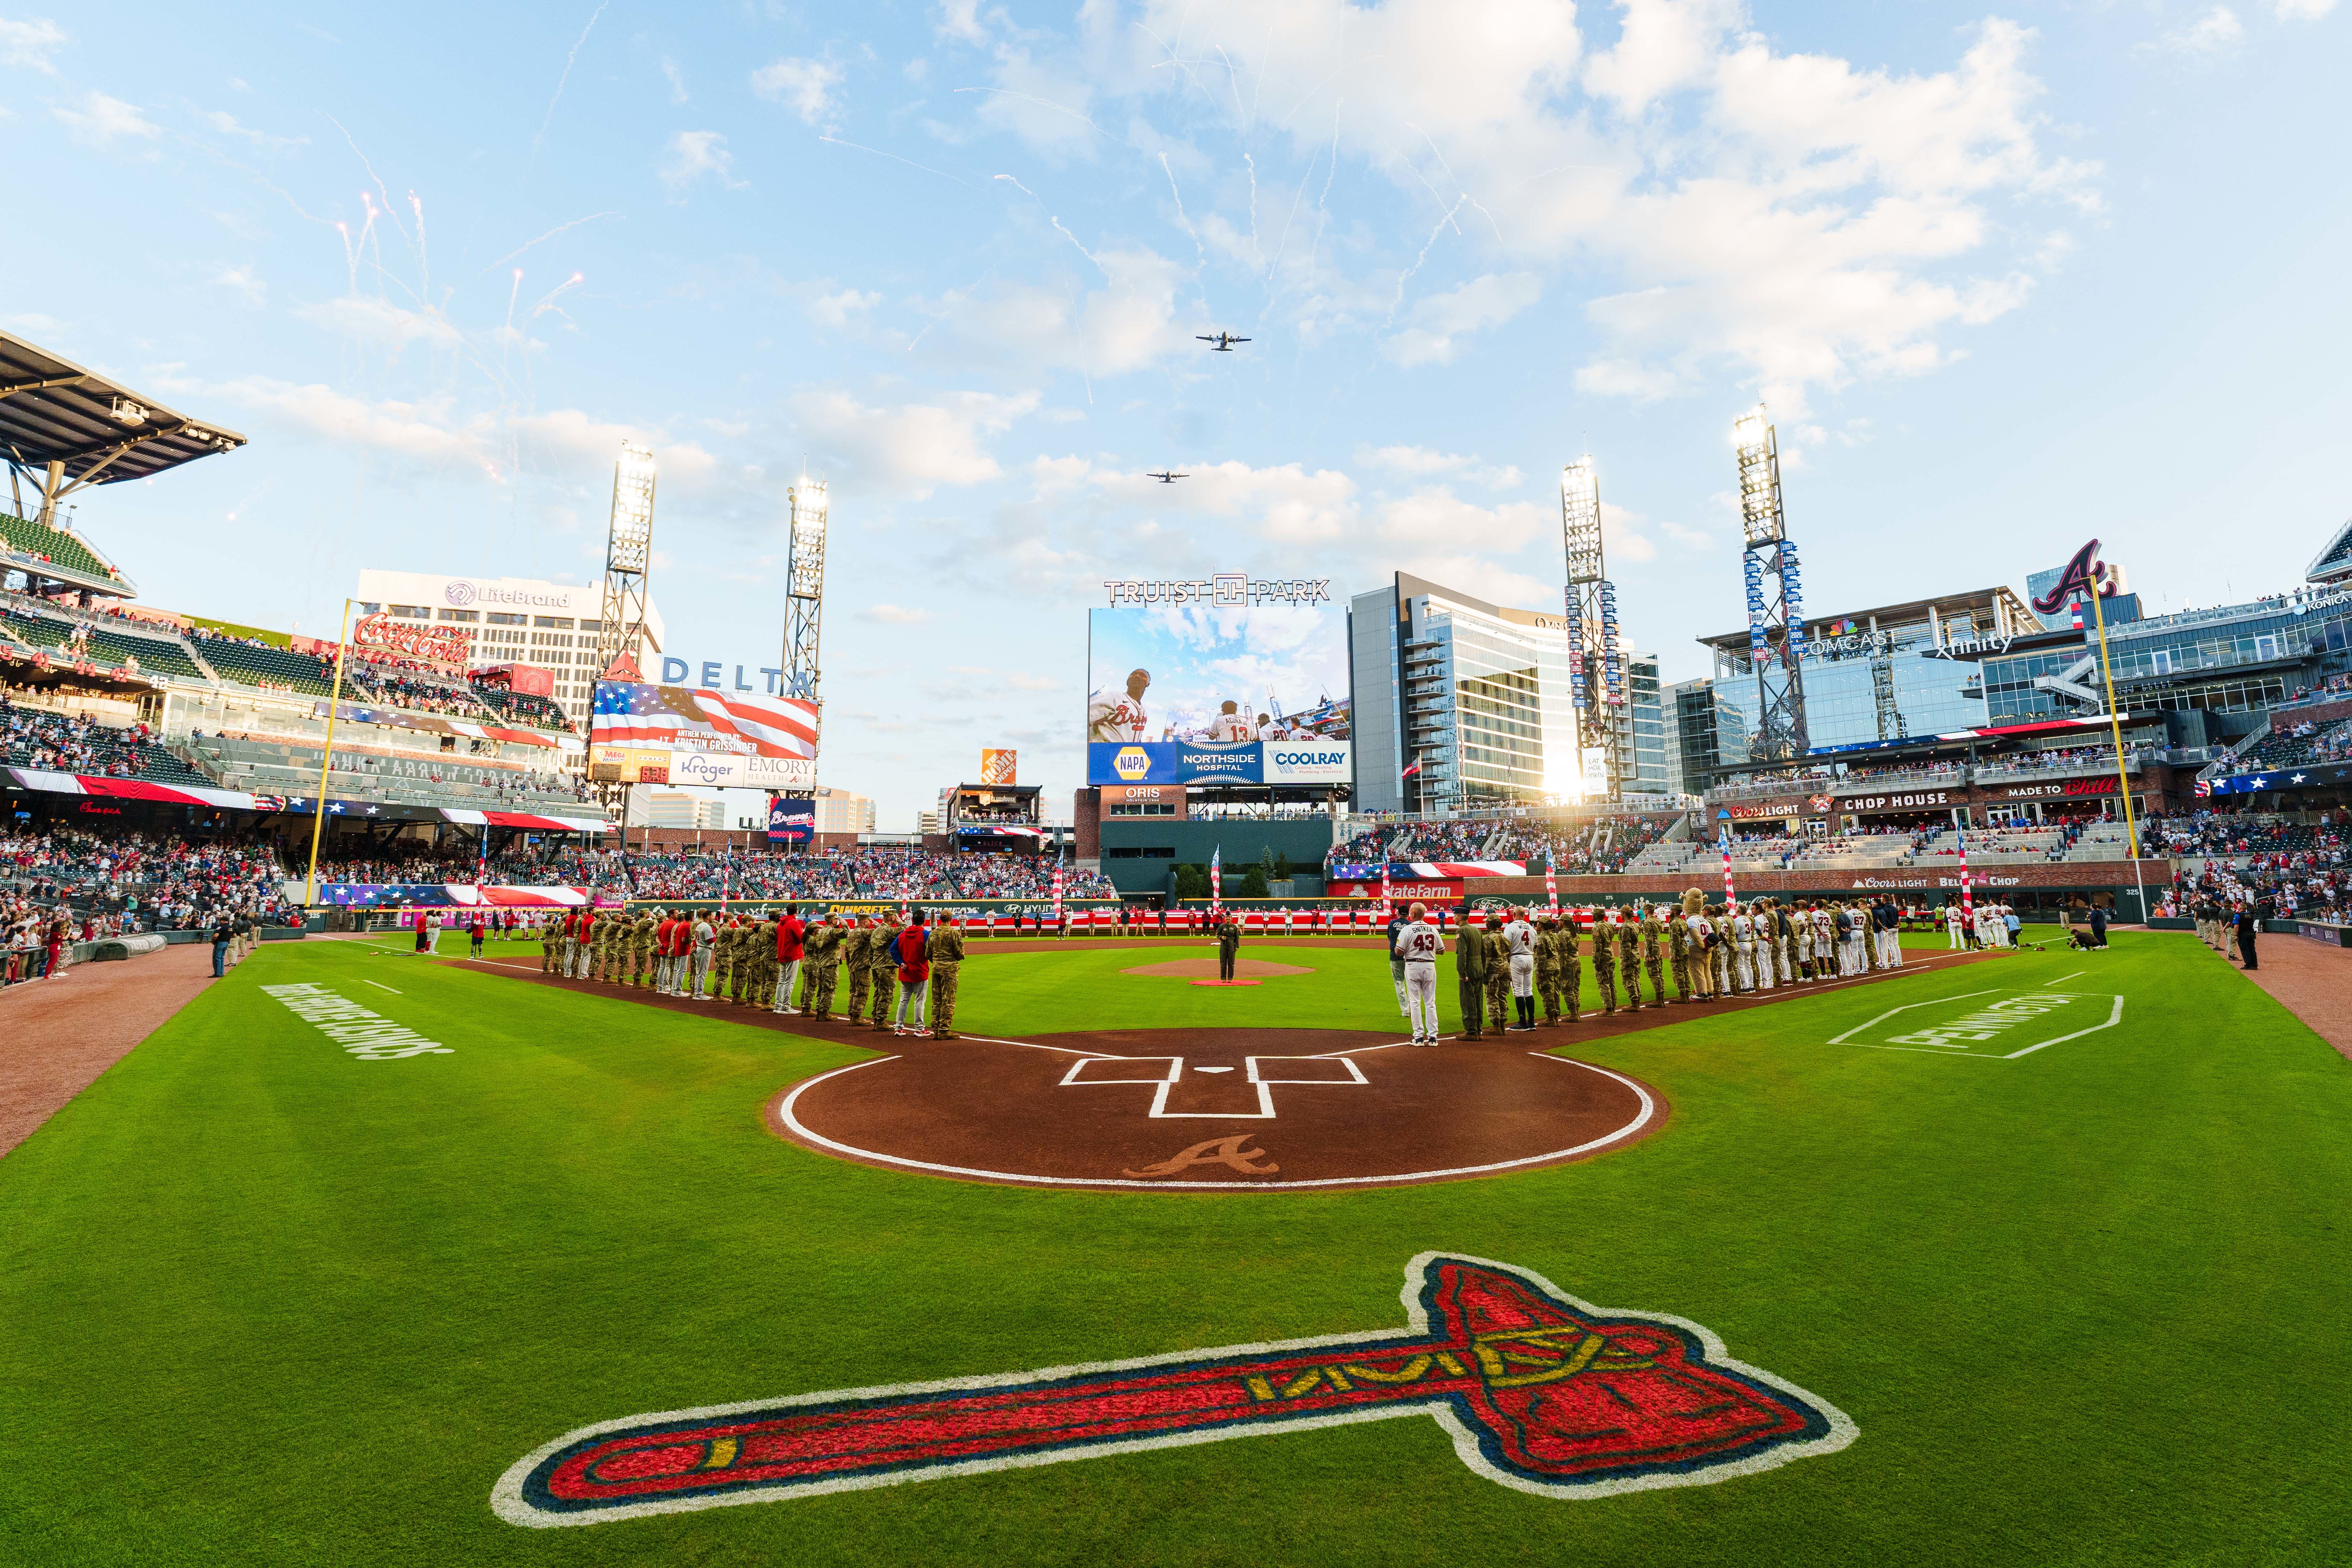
x=2115, y=728
x=334, y=702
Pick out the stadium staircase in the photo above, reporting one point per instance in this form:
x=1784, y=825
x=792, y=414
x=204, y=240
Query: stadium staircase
x=255, y=664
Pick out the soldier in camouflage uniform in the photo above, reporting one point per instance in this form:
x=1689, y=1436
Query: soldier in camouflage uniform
x=1719, y=955
x=1678, y=950
x=1654, y=929
x=1605, y=961
x=1499, y=974
x=641, y=950
x=885, y=969
x=1571, y=969
x=547, y=933
x=821, y=957
x=1548, y=967
x=857, y=954
x=947, y=958
x=1629, y=961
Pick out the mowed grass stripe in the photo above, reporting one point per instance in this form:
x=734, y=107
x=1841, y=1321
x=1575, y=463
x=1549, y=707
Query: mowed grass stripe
x=261, y=1302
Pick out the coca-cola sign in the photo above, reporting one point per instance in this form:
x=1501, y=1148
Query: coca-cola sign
x=436, y=645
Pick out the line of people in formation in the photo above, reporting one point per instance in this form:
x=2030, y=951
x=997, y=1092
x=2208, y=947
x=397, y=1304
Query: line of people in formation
x=776, y=960
x=1991, y=925
x=1713, y=951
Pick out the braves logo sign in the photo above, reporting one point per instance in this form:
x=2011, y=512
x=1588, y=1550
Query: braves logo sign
x=1538, y=1390
x=2079, y=579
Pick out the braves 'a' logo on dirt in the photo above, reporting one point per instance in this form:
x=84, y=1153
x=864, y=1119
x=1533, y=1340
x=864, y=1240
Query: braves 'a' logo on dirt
x=1227, y=1152
x=1539, y=1391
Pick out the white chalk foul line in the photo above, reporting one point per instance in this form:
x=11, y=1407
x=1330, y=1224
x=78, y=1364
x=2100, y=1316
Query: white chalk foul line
x=378, y=984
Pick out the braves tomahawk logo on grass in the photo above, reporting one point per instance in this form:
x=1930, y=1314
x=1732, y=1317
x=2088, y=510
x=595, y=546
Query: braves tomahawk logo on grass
x=1539, y=1391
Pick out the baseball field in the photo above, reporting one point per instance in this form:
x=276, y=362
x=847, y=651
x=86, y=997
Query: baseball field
x=2038, y=1258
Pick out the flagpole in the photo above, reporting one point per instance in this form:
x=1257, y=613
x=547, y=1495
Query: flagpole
x=1967, y=899
x=1729, y=897
x=1552, y=881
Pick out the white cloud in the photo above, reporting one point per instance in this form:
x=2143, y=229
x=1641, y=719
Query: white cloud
x=227, y=125
x=372, y=320
x=1420, y=462
x=1797, y=218
x=961, y=19
x=30, y=45
x=2213, y=33
x=894, y=615
x=247, y=282
x=804, y=87
x=1437, y=320
x=910, y=450
x=843, y=309
x=2302, y=10
x=697, y=154
x=1126, y=324
x=676, y=79
x=101, y=121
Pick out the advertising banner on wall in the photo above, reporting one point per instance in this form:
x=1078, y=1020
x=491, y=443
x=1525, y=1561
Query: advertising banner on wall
x=791, y=819
x=998, y=766
x=707, y=737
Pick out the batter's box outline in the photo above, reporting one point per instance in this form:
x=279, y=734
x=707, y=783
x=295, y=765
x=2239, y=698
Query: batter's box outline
x=2114, y=1016
x=1168, y=1080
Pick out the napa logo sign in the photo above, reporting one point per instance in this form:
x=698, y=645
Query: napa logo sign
x=1133, y=764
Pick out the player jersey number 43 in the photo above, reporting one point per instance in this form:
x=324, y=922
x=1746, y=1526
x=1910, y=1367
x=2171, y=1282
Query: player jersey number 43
x=1418, y=944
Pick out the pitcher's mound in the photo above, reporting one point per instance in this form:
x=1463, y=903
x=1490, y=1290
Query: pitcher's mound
x=1206, y=968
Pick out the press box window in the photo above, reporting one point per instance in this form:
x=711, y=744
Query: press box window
x=461, y=615
x=500, y=618
x=1142, y=808
x=560, y=623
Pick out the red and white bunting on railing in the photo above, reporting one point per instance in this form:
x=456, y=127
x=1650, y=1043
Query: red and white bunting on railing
x=530, y=819
x=139, y=789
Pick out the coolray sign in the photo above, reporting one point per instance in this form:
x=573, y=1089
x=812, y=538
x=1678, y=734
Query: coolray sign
x=1223, y=590
x=2105, y=784
x=1921, y=800
x=1309, y=761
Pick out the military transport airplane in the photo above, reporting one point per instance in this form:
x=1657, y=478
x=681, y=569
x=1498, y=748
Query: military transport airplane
x=1223, y=343
x=1166, y=477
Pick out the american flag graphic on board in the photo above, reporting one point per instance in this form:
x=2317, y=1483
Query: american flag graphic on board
x=627, y=712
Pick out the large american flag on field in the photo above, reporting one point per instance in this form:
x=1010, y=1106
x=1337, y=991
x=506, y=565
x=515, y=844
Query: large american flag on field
x=627, y=712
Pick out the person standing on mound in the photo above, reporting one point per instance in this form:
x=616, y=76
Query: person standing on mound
x=1229, y=946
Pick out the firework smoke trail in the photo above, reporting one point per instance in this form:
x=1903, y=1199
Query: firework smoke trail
x=424, y=257
x=1255, y=248
x=1283, y=244
x=1406, y=276
x=1322, y=211
x=1019, y=186
x=547, y=302
x=372, y=173
x=1234, y=80
x=1450, y=175
x=551, y=233
x=877, y=152
x=1199, y=251
x=1082, y=249
x=1049, y=103
x=548, y=116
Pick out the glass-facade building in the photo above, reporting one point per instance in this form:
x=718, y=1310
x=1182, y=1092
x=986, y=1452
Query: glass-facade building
x=1460, y=705
x=2236, y=658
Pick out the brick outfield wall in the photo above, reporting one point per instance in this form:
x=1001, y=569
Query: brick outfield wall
x=2085, y=874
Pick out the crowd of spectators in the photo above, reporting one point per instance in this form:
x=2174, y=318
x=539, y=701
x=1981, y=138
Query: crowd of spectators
x=145, y=882
x=41, y=738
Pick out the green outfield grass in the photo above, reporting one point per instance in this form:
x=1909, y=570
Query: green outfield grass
x=261, y=1302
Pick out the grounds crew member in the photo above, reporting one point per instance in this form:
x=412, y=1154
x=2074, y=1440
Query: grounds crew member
x=857, y=954
x=1229, y=946
x=1654, y=929
x=1629, y=958
x=1604, y=960
x=1416, y=945
x=1548, y=968
x=1472, y=956
x=1498, y=971
x=947, y=958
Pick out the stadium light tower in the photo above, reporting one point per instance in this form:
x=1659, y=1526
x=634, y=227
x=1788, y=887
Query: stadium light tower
x=805, y=591
x=628, y=559
x=1596, y=665
x=1775, y=594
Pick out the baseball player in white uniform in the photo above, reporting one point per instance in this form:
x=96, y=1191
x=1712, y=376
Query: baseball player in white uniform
x=1952, y=927
x=1229, y=727
x=705, y=936
x=1519, y=940
x=1418, y=945
x=1122, y=718
x=1743, y=946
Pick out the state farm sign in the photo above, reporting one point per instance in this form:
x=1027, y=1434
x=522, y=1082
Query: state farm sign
x=1920, y=800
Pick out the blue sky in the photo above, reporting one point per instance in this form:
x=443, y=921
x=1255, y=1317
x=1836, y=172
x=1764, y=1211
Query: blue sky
x=2006, y=279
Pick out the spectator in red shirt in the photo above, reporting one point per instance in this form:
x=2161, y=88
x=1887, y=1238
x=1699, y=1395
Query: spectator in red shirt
x=914, y=950
x=790, y=933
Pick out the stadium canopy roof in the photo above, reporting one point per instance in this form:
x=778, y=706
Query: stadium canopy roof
x=94, y=429
x=2332, y=564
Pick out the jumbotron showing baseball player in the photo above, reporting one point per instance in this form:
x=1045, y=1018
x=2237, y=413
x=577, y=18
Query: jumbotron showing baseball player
x=1119, y=720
